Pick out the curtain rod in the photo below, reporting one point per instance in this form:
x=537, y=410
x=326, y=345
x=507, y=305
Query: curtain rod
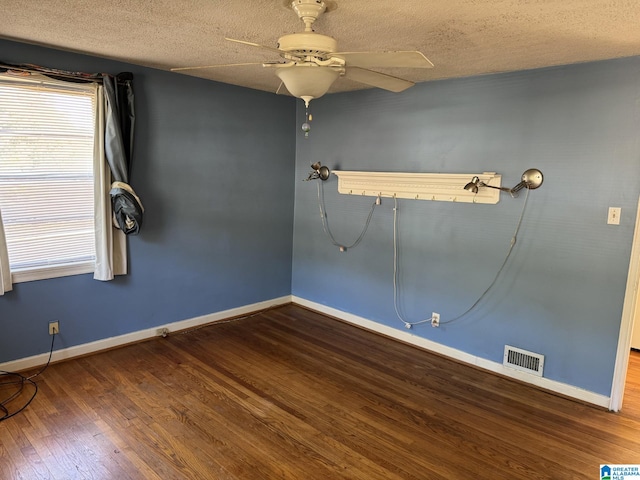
x=63, y=74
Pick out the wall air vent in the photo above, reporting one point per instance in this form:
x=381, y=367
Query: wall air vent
x=523, y=360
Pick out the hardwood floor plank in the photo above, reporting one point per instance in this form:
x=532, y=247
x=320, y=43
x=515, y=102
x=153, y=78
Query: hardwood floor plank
x=316, y=417
x=262, y=419
x=17, y=466
x=408, y=404
x=299, y=419
x=292, y=394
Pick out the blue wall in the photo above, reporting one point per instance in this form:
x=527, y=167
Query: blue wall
x=561, y=294
x=214, y=165
x=217, y=231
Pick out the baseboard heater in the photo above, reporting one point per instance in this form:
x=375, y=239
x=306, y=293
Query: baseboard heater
x=523, y=360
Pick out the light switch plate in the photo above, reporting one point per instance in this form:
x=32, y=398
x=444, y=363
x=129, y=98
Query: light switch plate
x=614, y=216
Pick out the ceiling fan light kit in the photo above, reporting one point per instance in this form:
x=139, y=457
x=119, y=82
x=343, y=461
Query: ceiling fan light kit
x=308, y=80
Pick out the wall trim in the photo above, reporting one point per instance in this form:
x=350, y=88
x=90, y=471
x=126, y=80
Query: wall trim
x=138, y=336
x=627, y=321
x=425, y=344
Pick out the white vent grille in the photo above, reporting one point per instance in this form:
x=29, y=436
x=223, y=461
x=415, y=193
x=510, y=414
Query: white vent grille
x=523, y=360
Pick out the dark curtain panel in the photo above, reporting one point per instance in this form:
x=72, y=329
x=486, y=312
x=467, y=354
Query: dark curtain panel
x=119, y=127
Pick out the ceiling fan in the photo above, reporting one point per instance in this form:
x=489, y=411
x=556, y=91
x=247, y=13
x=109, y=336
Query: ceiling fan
x=311, y=62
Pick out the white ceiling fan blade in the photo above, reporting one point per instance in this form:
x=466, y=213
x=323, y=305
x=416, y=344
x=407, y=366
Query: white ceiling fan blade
x=201, y=67
x=411, y=59
x=251, y=44
x=377, y=79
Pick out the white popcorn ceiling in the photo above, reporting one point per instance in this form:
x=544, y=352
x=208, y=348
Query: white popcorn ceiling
x=461, y=37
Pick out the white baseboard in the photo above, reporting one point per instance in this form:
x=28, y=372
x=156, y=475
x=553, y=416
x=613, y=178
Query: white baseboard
x=545, y=383
x=108, y=343
x=112, y=342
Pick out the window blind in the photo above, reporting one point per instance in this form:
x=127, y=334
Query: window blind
x=46, y=173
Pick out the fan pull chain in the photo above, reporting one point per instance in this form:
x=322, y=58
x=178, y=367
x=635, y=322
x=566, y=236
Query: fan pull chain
x=306, y=127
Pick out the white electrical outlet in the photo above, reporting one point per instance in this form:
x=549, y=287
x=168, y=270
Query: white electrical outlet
x=54, y=328
x=435, y=319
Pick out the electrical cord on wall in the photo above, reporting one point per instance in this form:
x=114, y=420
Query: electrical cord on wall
x=484, y=294
x=229, y=320
x=514, y=239
x=325, y=222
x=396, y=270
x=21, y=382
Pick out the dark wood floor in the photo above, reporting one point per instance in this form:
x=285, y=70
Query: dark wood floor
x=291, y=394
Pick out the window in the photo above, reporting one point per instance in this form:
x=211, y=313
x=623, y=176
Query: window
x=46, y=176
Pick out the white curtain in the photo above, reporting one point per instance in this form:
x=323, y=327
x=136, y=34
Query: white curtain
x=5, y=273
x=111, y=243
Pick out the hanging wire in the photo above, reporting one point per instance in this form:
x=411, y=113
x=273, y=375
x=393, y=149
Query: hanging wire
x=514, y=239
x=325, y=221
x=484, y=294
x=396, y=270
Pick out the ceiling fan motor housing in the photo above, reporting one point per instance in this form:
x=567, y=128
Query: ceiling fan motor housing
x=308, y=43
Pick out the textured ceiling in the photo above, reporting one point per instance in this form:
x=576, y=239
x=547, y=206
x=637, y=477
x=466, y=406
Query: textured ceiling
x=461, y=37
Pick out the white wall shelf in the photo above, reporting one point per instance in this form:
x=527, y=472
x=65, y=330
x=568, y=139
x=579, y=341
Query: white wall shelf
x=443, y=187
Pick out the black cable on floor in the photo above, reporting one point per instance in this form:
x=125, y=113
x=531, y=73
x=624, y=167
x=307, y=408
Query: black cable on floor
x=9, y=379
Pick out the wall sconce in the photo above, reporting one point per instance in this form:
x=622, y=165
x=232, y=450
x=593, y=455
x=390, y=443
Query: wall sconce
x=319, y=172
x=530, y=179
